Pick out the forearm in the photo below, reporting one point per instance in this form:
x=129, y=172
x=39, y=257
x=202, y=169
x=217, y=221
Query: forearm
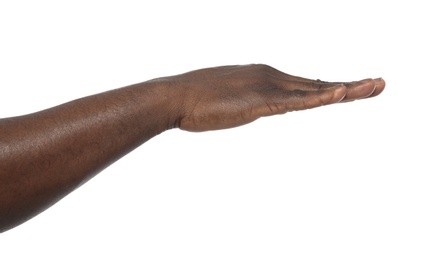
x=46, y=155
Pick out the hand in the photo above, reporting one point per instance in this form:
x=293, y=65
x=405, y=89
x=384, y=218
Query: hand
x=231, y=96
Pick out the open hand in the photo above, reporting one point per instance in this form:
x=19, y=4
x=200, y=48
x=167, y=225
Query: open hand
x=230, y=96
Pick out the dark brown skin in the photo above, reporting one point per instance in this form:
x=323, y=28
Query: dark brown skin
x=46, y=155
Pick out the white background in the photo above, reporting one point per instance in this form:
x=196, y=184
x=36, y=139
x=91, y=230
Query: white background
x=340, y=182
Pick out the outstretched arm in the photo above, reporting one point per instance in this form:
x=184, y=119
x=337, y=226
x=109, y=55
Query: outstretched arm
x=46, y=155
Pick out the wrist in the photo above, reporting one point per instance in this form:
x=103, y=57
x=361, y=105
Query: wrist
x=161, y=103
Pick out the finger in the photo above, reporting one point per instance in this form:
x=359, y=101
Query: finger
x=293, y=100
x=355, y=90
x=364, y=89
x=359, y=89
x=303, y=85
x=326, y=96
x=380, y=86
x=294, y=82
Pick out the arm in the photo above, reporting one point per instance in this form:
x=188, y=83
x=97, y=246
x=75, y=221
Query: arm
x=46, y=155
